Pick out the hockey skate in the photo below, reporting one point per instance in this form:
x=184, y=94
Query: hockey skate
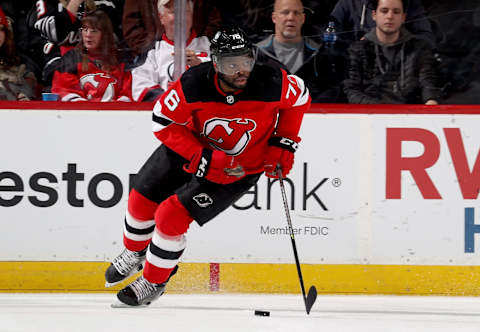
x=124, y=266
x=140, y=292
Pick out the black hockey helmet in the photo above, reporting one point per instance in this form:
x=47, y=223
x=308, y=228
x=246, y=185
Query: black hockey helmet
x=230, y=42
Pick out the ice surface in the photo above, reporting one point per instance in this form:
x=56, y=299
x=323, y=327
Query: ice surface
x=225, y=312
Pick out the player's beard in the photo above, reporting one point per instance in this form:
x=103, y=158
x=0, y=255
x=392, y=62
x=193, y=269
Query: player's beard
x=230, y=80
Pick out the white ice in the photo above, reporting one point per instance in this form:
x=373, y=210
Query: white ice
x=225, y=312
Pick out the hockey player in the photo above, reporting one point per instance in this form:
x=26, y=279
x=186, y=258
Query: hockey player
x=222, y=124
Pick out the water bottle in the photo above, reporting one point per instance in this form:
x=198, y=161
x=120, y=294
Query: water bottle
x=330, y=34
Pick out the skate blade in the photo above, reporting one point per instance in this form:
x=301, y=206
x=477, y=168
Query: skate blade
x=118, y=304
x=111, y=284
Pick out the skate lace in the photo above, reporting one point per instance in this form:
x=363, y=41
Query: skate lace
x=143, y=288
x=125, y=262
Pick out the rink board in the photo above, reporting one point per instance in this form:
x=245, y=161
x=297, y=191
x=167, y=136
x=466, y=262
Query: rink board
x=253, y=278
x=384, y=201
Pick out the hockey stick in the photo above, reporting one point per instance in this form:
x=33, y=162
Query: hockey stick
x=310, y=298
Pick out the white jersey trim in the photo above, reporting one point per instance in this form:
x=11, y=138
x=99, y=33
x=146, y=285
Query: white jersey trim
x=160, y=262
x=138, y=224
x=73, y=97
x=124, y=98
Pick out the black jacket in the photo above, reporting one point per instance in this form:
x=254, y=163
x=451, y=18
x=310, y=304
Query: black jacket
x=354, y=19
x=323, y=68
x=399, y=73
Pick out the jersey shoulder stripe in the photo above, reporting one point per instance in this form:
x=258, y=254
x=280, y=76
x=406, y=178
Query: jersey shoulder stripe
x=302, y=95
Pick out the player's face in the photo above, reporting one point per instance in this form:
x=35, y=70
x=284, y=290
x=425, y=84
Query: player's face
x=235, y=70
x=389, y=16
x=92, y=38
x=288, y=17
x=167, y=18
x=231, y=65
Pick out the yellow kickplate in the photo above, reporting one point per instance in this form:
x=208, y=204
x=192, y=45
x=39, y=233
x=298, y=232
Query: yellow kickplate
x=87, y=277
x=352, y=279
x=252, y=278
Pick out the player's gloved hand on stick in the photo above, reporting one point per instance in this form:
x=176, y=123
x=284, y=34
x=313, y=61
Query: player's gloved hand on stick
x=280, y=153
x=215, y=166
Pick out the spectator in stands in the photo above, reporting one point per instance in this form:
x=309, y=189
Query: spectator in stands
x=16, y=12
x=142, y=27
x=390, y=65
x=353, y=19
x=254, y=16
x=92, y=71
x=16, y=82
x=322, y=68
x=59, y=21
x=152, y=78
x=457, y=27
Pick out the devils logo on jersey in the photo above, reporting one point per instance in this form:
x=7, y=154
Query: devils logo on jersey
x=98, y=85
x=203, y=200
x=229, y=135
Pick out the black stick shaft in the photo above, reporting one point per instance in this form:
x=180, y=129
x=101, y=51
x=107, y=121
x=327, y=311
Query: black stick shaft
x=292, y=237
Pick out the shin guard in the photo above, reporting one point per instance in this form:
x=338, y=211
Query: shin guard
x=168, y=242
x=139, y=221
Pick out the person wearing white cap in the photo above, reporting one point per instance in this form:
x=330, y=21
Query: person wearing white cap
x=155, y=75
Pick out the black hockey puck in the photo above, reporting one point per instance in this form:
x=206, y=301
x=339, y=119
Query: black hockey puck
x=262, y=313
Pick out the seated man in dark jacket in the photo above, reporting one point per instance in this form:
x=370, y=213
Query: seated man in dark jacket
x=390, y=65
x=353, y=19
x=322, y=68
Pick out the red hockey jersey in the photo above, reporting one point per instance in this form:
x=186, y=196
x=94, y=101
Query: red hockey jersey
x=195, y=113
x=95, y=84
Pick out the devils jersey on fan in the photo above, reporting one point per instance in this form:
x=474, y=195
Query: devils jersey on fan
x=195, y=113
x=73, y=83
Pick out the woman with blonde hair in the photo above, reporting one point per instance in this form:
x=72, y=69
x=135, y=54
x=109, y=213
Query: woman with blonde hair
x=92, y=70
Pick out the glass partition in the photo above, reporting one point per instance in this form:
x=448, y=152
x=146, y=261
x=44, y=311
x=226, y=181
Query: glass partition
x=341, y=56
